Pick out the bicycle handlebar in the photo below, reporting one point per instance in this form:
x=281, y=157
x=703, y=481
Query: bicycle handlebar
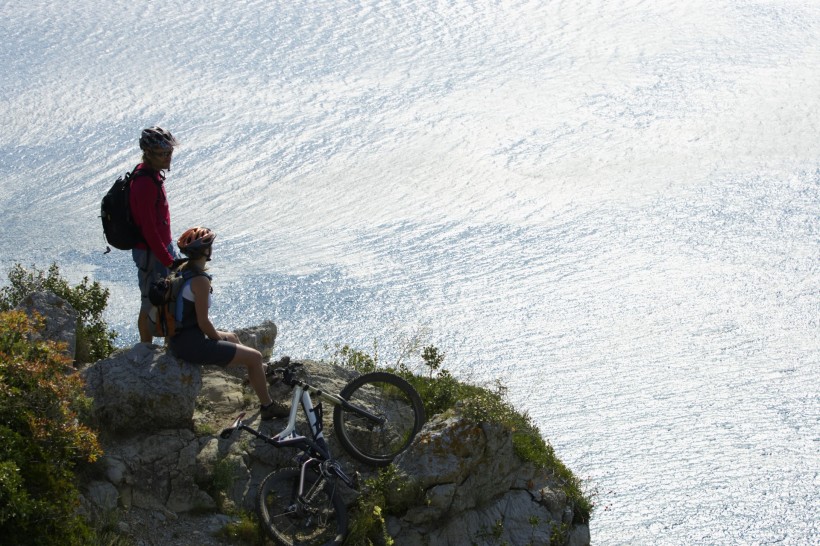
x=284, y=369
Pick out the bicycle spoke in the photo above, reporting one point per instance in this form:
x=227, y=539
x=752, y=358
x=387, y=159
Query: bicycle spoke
x=316, y=518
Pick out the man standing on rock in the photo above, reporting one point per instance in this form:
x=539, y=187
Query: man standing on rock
x=151, y=214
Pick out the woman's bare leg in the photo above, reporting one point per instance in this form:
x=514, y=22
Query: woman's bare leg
x=252, y=360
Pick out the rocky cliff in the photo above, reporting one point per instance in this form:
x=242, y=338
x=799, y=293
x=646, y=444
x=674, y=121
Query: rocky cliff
x=169, y=478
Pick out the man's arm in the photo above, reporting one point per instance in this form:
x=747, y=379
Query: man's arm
x=144, y=196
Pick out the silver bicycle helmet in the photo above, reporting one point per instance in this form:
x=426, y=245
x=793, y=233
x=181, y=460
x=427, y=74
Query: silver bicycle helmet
x=155, y=138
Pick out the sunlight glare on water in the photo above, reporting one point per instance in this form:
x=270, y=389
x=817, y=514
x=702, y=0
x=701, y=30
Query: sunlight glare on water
x=612, y=206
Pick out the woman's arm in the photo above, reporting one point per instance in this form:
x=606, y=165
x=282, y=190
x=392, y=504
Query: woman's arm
x=201, y=287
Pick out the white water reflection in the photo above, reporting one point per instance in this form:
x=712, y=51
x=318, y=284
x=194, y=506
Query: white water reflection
x=612, y=205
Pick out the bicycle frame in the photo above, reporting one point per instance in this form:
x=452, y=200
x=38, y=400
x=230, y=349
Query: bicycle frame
x=315, y=448
x=301, y=395
x=376, y=415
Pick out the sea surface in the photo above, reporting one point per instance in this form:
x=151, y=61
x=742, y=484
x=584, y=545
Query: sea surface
x=612, y=207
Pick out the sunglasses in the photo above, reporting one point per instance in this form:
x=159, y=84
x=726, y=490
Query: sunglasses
x=160, y=153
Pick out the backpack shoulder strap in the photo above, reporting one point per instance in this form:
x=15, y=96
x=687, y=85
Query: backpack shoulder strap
x=148, y=172
x=191, y=273
x=130, y=176
x=184, y=280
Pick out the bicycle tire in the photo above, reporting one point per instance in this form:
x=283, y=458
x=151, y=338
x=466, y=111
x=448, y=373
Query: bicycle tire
x=388, y=396
x=318, y=519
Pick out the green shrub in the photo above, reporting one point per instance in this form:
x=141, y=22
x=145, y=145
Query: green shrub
x=94, y=340
x=432, y=358
x=245, y=530
x=386, y=494
x=41, y=438
x=223, y=476
x=106, y=532
x=349, y=357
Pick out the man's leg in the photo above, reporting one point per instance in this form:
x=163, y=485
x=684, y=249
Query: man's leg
x=149, y=269
x=144, y=326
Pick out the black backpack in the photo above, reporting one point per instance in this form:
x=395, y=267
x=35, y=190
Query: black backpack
x=115, y=211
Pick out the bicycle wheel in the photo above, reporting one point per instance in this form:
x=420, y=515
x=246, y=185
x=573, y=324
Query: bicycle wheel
x=318, y=517
x=389, y=398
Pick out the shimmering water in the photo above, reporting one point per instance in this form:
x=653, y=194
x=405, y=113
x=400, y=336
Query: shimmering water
x=611, y=206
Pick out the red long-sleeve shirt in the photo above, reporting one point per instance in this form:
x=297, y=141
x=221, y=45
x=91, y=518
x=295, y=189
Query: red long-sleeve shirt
x=149, y=208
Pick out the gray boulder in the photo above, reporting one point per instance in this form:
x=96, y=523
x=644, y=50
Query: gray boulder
x=476, y=490
x=157, y=471
x=59, y=316
x=143, y=390
x=261, y=338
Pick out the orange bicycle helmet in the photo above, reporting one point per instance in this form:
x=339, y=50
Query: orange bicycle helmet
x=196, y=241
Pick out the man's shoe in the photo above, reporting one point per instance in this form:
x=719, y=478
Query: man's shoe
x=274, y=409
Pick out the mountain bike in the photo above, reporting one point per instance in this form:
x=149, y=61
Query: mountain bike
x=376, y=416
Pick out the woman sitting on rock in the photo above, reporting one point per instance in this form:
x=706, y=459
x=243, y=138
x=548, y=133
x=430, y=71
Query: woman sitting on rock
x=197, y=340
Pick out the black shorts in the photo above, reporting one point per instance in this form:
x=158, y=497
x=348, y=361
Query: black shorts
x=192, y=345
